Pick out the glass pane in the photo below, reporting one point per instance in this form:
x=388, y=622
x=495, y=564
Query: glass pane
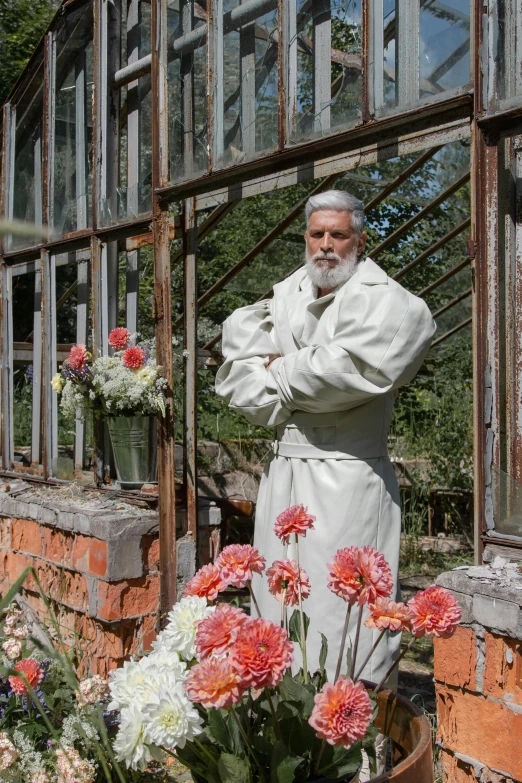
x=506, y=496
x=24, y=297
x=72, y=203
x=325, y=51
x=509, y=53
x=136, y=291
x=444, y=46
x=389, y=89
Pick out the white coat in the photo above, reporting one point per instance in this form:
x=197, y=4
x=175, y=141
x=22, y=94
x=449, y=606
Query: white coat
x=330, y=398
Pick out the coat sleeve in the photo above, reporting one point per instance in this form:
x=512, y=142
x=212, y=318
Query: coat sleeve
x=248, y=344
x=382, y=337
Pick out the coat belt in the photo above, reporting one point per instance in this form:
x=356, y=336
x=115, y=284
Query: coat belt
x=309, y=451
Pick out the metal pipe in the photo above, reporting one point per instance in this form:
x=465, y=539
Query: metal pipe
x=446, y=276
x=433, y=248
x=406, y=174
x=453, y=302
x=190, y=353
x=132, y=71
x=451, y=332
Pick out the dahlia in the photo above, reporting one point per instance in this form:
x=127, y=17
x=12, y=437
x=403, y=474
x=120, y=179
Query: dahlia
x=261, y=654
x=435, y=611
x=77, y=358
x=119, y=338
x=214, y=683
x=179, y=634
x=216, y=634
x=342, y=713
x=360, y=574
x=8, y=752
x=207, y=583
x=133, y=357
x=239, y=562
x=284, y=578
x=33, y=673
x=385, y=614
x=295, y=519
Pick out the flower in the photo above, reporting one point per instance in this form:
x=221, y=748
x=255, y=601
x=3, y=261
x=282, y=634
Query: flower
x=146, y=375
x=8, y=752
x=77, y=358
x=342, y=712
x=360, y=574
x=207, y=583
x=130, y=746
x=40, y=777
x=216, y=634
x=72, y=768
x=162, y=657
x=119, y=338
x=295, y=519
x=21, y=632
x=214, y=683
x=284, y=578
x=180, y=632
x=239, y=562
x=33, y=673
x=12, y=648
x=170, y=718
x=386, y=614
x=134, y=357
x=57, y=382
x=261, y=654
x=435, y=611
x=135, y=682
x=92, y=690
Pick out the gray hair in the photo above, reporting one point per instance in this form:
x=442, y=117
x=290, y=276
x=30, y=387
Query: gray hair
x=337, y=201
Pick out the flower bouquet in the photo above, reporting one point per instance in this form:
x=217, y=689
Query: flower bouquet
x=218, y=691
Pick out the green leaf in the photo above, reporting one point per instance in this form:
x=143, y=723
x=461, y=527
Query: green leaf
x=341, y=762
x=233, y=769
x=291, y=690
x=294, y=626
x=283, y=764
x=235, y=734
x=217, y=729
x=324, y=651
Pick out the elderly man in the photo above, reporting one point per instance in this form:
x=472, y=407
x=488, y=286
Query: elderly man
x=321, y=362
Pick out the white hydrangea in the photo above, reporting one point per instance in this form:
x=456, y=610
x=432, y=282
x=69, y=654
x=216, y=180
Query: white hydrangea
x=171, y=719
x=180, y=633
x=72, y=400
x=130, y=746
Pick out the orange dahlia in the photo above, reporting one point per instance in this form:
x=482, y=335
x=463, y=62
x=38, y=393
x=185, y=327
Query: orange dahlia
x=284, y=578
x=216, y=634
x=342, y=713
x=434, y=611
x=295, y=519
x=262, y=653
x=77, y=358
x=134, y=357
x=238, y=563
x=33, y=673
x=207, y=583
x=360, y=575
x=385, y=614
x=214, y=683
x=119, y=338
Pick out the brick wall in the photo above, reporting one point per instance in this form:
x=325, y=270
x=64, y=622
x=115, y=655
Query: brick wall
x=478, y=678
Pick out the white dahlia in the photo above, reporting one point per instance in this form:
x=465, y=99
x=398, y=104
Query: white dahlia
x=130, y=746
x=171, y=719
x=180, y=632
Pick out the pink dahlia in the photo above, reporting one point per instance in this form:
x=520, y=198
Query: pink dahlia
x=262, y=653
x=214, y=683
x=207, y=583
x=385, y=614
x=133, y=357
x=239, y=562
x=77, y=359
x=435, y=611
x=216, y=634
x=342, y=713
x=119, y=338
x=295, y=519
x=33, y=673
x=360, y=575
x=284, y=578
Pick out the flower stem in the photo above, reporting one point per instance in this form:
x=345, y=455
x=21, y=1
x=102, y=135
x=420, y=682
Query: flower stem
x=274, y=716
x=181, y=761
x=283, y=599
x=247, y=743
x=356, y=643
x=319, y=757
x=395, y=664
x=343, y=642
x=369, y=655
x=254, y=598
x=301, y=616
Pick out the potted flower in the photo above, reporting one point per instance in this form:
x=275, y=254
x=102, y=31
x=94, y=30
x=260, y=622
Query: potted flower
x=218, y=692
x=127, y=390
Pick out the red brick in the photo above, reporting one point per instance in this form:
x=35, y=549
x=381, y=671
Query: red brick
x=454, y=770
x=25, y=536
x=90, y=555
x=148, y=632
x=57, y=545
x=455, y=659
x=500, y=676
x=128, y=598
x=482, y=728
x=14, y=564
x=150, y=546
x=5, y=532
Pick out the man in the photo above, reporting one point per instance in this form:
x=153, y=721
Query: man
x=322, y=362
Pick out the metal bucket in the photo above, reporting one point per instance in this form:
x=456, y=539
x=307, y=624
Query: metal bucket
x=135, y=447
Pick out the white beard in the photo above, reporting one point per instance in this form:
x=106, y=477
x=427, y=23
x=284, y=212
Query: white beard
x=325, y=276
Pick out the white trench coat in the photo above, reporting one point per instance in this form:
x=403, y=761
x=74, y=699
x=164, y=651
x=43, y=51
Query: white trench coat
x=330, y=398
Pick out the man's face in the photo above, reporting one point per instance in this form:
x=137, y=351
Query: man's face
x=332, y=232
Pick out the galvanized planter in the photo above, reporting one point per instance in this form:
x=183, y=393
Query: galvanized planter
x=134, y=444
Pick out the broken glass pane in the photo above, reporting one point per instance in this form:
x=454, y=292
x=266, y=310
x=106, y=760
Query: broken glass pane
x=444, y=46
